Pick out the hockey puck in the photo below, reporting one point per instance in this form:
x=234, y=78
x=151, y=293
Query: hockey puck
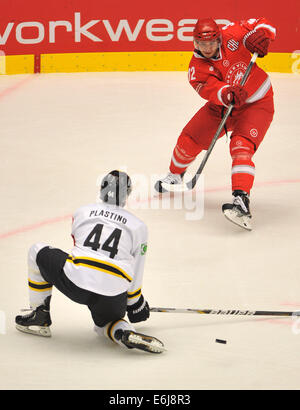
x=221, y=341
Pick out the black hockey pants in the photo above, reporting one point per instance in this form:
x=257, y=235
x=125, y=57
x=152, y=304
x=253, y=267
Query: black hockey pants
x=104, y=309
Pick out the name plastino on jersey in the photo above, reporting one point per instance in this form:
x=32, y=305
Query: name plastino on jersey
x=108, y=214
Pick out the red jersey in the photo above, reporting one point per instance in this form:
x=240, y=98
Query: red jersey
x=209, y=76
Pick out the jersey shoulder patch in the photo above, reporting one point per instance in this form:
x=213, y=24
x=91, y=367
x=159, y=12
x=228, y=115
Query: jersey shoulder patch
x=144, y=248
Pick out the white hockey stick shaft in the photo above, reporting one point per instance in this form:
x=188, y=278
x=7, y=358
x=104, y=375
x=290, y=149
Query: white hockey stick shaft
x=226, y=312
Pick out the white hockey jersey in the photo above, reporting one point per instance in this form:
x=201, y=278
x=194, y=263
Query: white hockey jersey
x=109, y=251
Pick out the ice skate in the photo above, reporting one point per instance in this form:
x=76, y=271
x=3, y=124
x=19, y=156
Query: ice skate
x=169, y=180
x=134, y=340
x=37, y=322
x=239, y=212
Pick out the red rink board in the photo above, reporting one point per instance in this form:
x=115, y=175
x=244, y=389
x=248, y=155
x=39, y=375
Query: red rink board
x=76, y=26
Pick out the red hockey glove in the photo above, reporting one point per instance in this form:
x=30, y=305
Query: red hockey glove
x=234, y=94
x=257, y=41
x=138, y=312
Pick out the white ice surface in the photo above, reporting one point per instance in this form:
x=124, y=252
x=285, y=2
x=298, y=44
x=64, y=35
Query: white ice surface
x=59, y=132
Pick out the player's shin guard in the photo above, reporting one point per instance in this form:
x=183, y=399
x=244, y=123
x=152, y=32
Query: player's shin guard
x=243, y=168
x=39, y=289
x=38, y=321
x=184, y=154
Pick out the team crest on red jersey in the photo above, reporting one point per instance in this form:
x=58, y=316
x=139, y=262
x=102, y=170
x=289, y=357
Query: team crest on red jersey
x=233, y=44
x=235, y=73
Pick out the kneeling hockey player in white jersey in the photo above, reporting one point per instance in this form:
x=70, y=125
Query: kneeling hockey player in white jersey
x=104, y=270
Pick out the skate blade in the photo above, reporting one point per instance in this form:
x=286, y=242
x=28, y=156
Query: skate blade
x=162, y=187
x=146, y=343
x=35, y=330
x=174, y=187
x=242, y=221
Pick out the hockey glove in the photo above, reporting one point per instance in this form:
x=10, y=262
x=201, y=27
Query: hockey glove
x=256, y=41
x=139, y=311
x=235, y=95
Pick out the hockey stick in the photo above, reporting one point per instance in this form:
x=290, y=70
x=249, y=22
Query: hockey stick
x=190, y=185
x=225, y=312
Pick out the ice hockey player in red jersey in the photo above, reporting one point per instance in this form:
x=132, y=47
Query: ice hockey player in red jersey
x=103, y=271
x=221, y=56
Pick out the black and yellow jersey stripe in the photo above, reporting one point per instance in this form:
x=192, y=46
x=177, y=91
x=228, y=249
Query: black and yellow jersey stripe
x=39, y=286
x=103, y=266
x=135, y=294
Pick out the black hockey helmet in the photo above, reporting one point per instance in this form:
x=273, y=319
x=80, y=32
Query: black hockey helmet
x=115, y=188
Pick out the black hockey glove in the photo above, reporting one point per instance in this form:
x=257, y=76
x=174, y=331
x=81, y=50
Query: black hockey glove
x=139, y=311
